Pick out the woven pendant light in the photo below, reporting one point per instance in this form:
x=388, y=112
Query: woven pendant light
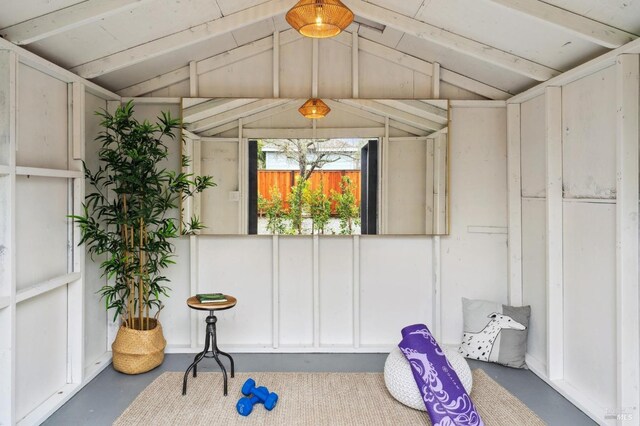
x=319, y=18
x=314, y=108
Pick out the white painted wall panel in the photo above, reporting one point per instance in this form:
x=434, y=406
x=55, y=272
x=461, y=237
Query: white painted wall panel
x=240, y=79
x=95, y=315
x=589, y=125
x=41, y=349
x=296, y=290
x=175, y=316
x=334, y=69
x=42, y=120
x=449, y=91
x=474, y=265
x=295, y=69
x=382, y=79
x=336, y=290
x=241, y=267
x=395, y=286
x=534, y=288
x=178, y=90
x=218, y=212
x=590, y=300
x=5, y=72
x=41, y=229
x=407, y=186
x=532, y=145
x=5, y=232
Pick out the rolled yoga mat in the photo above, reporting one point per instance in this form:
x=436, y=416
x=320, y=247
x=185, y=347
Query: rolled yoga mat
x=447, y=403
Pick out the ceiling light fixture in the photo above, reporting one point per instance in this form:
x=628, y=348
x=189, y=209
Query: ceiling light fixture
x=314, y=108
x=319, y=18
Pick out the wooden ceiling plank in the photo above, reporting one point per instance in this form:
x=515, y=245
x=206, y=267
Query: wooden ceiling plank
x=66, y=19
x=234, y=114
x=419, y=108
x=453, y=41
x=288, y=36
x=156, y=83
x=212, y=107
x=245, y=51
x=393, y=113
x=581, y=26
x=181, y=39
x=294, y=103
x=472, y=85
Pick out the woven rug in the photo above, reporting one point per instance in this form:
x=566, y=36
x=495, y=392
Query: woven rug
x=306, y=399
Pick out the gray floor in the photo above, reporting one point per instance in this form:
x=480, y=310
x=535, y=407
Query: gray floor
x=109, y=394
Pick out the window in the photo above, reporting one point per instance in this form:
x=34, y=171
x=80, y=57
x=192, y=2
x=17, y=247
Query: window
x=313, y=186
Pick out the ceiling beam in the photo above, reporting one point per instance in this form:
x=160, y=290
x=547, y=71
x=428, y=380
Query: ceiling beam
x=246, y=120
x=211, y=107
x=375, y=117
x=66, y=19
x=421, y=109
x=453, y=41
x=210, y=64
x=234, y=114
x=393, y=113
x=288, y=36
x=179, y=40
x=581, y=26
x=318, y=133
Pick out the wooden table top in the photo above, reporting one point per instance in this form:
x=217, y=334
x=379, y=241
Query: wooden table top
x=194, y=303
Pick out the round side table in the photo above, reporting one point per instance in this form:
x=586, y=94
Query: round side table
x=211, y=342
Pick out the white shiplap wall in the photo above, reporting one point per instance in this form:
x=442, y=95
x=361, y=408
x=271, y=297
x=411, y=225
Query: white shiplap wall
x=327, y=294
x=582, y=133
x=47, y=350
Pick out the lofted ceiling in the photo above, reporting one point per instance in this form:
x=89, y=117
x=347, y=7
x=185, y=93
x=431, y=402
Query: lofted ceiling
x=508, y=44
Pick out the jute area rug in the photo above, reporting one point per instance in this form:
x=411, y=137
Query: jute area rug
x=306, y=399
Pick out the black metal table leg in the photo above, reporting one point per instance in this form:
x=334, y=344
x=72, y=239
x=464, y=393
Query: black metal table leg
x=211, y=341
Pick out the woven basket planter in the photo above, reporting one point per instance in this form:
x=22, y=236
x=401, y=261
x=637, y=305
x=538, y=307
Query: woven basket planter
x=138, y=351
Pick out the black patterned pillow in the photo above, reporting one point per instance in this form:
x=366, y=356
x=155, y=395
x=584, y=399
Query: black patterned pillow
x=494, y=332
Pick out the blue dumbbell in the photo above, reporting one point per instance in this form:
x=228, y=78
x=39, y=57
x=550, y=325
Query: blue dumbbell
x=270, y=399
x=245, y=405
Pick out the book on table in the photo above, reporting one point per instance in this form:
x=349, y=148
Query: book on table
x=211, y=298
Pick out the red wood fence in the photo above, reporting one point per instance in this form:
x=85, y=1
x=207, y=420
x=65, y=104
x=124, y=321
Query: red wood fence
x=285, y=179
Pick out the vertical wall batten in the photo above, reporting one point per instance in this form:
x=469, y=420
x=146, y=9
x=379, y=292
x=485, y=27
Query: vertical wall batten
x=356, y=291
x=514, y=204
x=435, y=81
x=315, y=68
x=316, y=291
x=76, y=289
x=8, y=85
x=627, y=186
x=276, y=64
x=193, y=79
x=355, y=66
x=554, y=271
x=275, y=282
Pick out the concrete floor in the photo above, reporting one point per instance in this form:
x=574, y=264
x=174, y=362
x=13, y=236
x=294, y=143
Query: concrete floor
x=109, y=394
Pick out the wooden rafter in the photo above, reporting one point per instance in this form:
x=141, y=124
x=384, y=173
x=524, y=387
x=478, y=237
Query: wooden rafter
x=182, y=39
x=453, y=41
x=234, y=114
x=249, y=119
x=288, y=36
x=66, y=19
x=394, y=113
x=581, y=26
x=209, y=64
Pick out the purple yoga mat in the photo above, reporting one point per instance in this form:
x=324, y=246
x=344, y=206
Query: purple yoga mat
x=447, y=403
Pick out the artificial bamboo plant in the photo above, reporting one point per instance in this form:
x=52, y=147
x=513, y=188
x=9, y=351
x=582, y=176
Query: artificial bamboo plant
x=129, y=215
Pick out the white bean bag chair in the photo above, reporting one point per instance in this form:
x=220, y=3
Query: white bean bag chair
x=402, y=386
